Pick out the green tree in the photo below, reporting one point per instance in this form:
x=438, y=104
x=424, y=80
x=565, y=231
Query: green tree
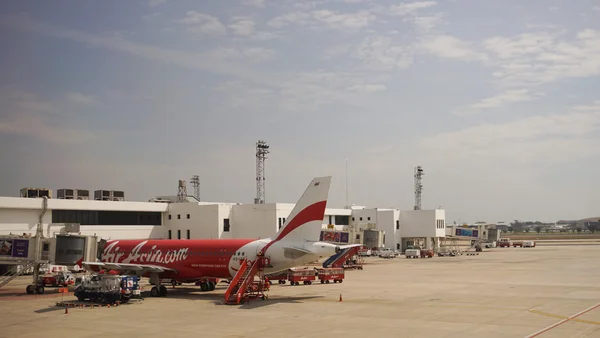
x=579, y=229
x=538, y=229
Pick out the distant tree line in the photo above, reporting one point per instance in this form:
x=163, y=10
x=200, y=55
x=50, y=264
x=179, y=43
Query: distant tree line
x=537, y=226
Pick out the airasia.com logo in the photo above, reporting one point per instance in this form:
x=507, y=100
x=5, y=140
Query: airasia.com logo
x=113, y=254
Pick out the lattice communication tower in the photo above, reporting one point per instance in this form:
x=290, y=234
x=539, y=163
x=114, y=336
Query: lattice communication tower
x=418, y=186
x=181, y=191
x=262, y=149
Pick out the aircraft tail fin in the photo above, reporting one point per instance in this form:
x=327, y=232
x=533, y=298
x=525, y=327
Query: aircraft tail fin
x=306, y=219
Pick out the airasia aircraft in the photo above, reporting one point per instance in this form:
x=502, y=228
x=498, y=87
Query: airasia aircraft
x=205, y=260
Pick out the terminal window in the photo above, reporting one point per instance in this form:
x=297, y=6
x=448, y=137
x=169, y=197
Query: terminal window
x=342, y=220
x=226, y=224
x=95, y=217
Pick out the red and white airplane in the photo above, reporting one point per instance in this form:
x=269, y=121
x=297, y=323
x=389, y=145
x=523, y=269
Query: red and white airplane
x=205, y=260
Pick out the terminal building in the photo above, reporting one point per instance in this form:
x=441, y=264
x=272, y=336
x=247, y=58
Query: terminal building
x=109, y=216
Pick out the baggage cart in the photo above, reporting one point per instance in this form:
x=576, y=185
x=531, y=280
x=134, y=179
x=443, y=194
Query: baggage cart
x=331, y=274
x=306, y=276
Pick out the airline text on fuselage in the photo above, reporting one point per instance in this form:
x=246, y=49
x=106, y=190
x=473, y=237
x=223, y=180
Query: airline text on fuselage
x=113, y=254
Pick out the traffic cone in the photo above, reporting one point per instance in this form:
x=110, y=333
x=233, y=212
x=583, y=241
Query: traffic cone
x=66, y=310
x=340, y=297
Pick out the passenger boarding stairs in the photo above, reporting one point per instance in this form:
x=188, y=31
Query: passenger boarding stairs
x=242, y=285
x=12, y=274
x=338, y=260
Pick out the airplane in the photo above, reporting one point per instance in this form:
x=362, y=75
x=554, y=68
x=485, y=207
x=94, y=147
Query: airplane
x=207, y=260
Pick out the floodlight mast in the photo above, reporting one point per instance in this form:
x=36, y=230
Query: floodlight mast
x=418, y=186
x=196, y=184
x=262, y=149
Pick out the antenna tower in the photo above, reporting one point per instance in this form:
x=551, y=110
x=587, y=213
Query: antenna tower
x=196, y=184
x=181, y=192
x=262, y=149
x=418, y=186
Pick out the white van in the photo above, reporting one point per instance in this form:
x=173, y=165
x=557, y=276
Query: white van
x=386, y=253
x=528, y=244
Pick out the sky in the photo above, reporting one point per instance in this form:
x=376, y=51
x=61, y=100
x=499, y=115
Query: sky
x=498, y=101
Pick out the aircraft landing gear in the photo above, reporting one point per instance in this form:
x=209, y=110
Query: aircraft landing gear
x=31, y=289
x=160, y=291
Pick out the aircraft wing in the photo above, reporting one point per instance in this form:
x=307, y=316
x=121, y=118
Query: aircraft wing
x=142, y=268
x=349, y=246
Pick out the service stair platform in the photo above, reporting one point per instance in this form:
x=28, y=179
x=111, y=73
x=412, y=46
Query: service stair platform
x=339, y=259
x=243, y=286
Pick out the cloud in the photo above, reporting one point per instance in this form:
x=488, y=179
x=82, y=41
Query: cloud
x=530, y=141
x=197, y=22
x=427, y=23
x=410, y=8
x=381, y=53
x=25, y=114
x=242, y=26
x=254, y=54
x=257, y=3
x=154, y=3
x=208, y=61
x=447, y=46
x=80, y=98
x=298, y=18
x=331, y=19
x=344, y=20
x=368, y=88
x=336, y=50
x=509, y=96
x=535, y=59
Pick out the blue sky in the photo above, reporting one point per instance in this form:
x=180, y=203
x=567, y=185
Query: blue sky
x=497, y=100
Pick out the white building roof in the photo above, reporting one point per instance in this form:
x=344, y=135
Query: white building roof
x=60, y=204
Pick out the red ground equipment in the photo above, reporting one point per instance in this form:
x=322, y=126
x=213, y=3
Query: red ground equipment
x=305, y=276
x=327, y=274
x=244, y=286
x=426, y=253
x=281, y=278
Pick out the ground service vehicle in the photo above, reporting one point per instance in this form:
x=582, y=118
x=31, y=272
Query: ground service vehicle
x=327, y=274
x=105, y=288
x=59, y=279
x=412, y=253
x=517, y=243
x=504, y=243
x=386, y=253
x=426, y=253
x=305, y=276
x=529, y=244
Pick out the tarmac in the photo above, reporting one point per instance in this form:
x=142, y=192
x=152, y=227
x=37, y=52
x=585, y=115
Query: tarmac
x=546, y=291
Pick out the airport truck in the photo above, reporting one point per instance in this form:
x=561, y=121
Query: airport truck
x=504, y=243
x=108, y=289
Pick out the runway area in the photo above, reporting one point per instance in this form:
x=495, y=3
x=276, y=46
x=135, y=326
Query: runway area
x=546, y=291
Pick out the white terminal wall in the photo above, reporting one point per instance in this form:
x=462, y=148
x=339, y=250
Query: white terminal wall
x=19, y=215
x=422, y=223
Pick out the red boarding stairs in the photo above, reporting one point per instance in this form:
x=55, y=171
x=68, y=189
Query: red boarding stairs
x=243, y=287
